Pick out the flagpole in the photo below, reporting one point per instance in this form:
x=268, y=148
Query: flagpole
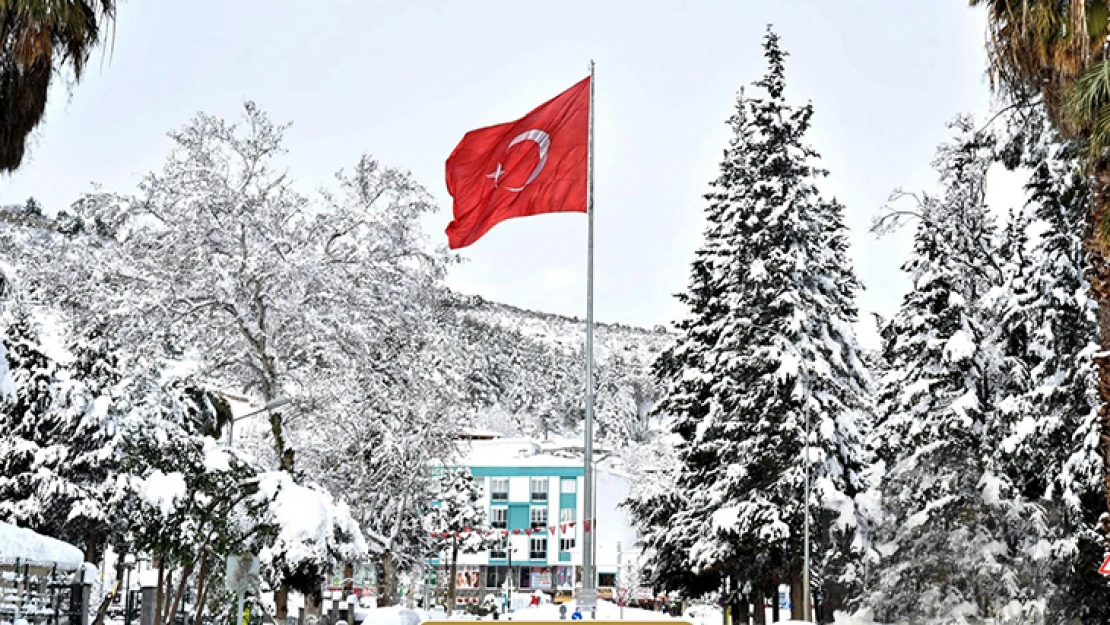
x=589, y=578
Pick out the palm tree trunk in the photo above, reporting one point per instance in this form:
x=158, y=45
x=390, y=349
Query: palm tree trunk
x=1098, y=275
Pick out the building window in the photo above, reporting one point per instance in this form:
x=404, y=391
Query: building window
x=606, y=580
x=539, y=489
x=539, y=517
x=499, y=518
x=497, y=551
x=568, y=487
x=496, y=576
x=566, y=544
x=499, y=489
x=566, y=515
x=537, y=549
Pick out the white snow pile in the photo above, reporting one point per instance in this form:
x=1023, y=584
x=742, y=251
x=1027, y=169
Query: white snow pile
x=162, y=490
x=27, y=546
x=311, y=521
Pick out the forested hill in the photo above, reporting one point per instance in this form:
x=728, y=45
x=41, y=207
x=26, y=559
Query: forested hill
x=525, y=370
x=519, y=372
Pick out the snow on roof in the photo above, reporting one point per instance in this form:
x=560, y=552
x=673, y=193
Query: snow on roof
x=17, y=543
x=512, y=452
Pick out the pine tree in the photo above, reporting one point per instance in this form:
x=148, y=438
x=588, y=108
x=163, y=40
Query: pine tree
x=30, y=428
x=1052, y=445
x=768, y=346
x=459, y=520
x=954, y=514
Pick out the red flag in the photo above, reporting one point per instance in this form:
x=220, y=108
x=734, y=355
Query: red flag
x=563, y=528
x=587, y=523
x=516, y=532
x=552, y=528
x=528, y=531
x=534, y=165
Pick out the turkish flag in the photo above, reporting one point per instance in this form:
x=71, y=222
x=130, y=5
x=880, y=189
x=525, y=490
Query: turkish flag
x=536, y=164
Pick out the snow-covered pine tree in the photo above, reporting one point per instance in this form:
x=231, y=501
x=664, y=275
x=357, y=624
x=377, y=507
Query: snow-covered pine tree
x=768, y=346
x=1051, y=448
x=459, y=520
x=951, y=510
x=28, y=424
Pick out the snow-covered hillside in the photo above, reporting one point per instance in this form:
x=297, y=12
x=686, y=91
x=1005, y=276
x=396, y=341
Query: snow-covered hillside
x=525, y=370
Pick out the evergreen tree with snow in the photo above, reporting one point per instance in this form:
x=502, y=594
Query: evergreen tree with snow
x=768, y=348
x=1051, y=445
x=954, y=515
x=28, y=423
x=458, y=521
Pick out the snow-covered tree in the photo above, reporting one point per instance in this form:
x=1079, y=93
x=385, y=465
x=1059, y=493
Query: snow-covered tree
x=459, y=521
x=954, y=517
x=293, y=292
x=1051, y=447
x=769, y=348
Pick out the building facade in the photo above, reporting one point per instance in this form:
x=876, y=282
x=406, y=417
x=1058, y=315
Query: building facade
x=534, y=500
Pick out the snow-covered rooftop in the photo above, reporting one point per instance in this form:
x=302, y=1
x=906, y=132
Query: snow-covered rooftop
x=512, y=452
x=17, y=543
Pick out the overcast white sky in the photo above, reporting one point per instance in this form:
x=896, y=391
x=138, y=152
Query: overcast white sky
x=404, y=80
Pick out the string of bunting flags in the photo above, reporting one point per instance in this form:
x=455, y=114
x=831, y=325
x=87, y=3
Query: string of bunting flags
x=587, y=526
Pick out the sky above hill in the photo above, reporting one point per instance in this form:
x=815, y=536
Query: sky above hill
x=404, y=80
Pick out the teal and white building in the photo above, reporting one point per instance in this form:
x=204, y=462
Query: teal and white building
x=530, y=489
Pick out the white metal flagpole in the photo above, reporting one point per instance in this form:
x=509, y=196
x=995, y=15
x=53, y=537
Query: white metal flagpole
x=589, y=577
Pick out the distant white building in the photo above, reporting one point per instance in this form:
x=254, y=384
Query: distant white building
x=535, y=500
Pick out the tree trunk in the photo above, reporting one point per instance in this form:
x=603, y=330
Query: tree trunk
x=312, y=607
x=741, y=611
x=167, y=596
x=281, y=603
x=348, y=579
x=389, y=580
x=185, y=575
x=757, y=604
x=451, y=579
x=775, y=615
x=92, y=545
x=202, y=585
x=797, y=610
x=158, y=594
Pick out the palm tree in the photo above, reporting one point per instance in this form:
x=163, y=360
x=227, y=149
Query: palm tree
x=38, y=38
x=1057, y=51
